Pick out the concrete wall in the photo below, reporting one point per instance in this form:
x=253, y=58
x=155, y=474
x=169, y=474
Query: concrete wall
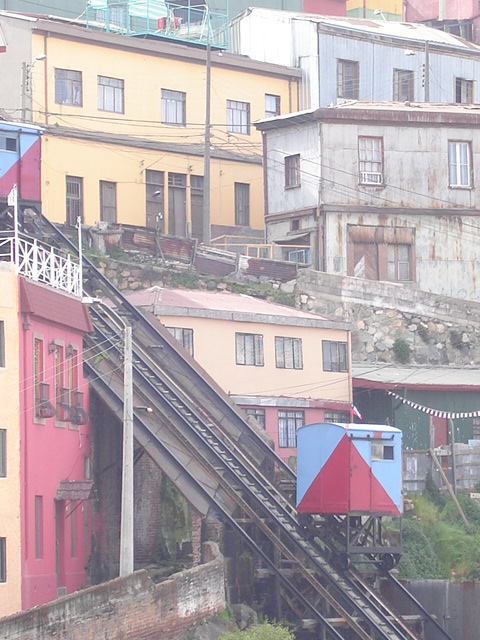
x=131, y=608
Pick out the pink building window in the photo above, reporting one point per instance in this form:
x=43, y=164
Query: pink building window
x=38, y=526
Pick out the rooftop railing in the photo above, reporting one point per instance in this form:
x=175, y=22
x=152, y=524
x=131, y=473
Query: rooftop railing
x=41, y=263
x=186, y=20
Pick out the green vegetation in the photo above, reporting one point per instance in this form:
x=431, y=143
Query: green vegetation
x=436, y=543
x=265, y=631
x=401, y=351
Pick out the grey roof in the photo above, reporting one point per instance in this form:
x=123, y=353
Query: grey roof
x=390, y=376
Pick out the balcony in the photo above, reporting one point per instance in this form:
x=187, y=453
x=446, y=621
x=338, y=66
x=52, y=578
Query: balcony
x=185, y=21
x=43, y=406
x=41, y=263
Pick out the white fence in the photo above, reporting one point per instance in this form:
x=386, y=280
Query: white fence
x=42, y=264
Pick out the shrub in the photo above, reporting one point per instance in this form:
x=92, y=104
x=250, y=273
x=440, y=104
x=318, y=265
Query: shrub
x=265, y=631
x=401, y=351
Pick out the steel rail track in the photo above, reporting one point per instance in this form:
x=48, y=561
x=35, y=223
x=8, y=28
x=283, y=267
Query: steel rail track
x=229, y=415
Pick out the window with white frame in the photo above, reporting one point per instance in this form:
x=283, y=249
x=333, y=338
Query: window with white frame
x=238, y=117
x=249, y=349
x=398, y=257
x=288, y=353
x=173, y=107
x=184, y=337
x=288, y=423
x=341, y=417
x=403, y=85
x=459, y=164
x=258, y=414
x=463, y=91
x=110, y=94
x=347, y=79
x=68, y=87
x=292, y=171
x=335, y=355
x=370, y=160
x=272, y=105
x=381, y=451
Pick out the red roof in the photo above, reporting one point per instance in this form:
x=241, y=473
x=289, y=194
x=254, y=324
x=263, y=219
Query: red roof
x=55, y=306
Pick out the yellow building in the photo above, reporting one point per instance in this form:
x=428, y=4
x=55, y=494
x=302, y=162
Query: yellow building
x=10, y=531
x=385, y=9
x=283, y=366
x=124, y=122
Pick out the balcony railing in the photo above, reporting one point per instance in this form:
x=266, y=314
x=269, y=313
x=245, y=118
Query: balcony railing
x=41, y=263
x=188, y=21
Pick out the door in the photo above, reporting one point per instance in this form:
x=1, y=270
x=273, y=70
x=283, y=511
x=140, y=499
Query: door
x=196, y=206
x=60, y=544
x=177, y=204
x=155, y=206
x=108, y=202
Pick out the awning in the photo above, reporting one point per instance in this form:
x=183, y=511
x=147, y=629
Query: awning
x=293, y=239
x=74, y=490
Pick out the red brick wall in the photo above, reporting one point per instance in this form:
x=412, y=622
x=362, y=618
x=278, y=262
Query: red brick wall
x=131, y=608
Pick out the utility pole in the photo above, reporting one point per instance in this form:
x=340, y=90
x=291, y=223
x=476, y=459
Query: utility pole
x=126, y=519
x=206, y=163
x=427, y=71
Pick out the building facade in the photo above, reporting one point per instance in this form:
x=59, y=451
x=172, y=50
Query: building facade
x=45, y=483
x=382, y=192
x=283, y=366
x=124, y=125
x=344, y=59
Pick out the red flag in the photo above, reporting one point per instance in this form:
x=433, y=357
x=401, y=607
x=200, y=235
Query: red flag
x=355, y=412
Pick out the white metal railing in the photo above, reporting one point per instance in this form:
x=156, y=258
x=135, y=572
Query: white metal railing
x=41, y=263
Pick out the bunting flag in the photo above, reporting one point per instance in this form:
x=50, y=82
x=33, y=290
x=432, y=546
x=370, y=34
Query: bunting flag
x=434, y=412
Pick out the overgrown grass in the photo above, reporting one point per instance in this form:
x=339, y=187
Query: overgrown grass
x=436, y=542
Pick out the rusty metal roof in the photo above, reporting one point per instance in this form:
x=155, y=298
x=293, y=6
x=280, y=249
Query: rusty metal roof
x=391, y=376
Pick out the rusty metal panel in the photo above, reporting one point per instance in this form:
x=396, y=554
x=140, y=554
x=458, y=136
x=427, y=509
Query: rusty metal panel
x=169, y=247
x=271, y=269
x=214, y=265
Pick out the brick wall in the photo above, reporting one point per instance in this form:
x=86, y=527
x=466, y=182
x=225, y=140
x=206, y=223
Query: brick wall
x=131, y=608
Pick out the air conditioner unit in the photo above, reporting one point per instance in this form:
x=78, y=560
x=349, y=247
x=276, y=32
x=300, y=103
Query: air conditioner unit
x=371, y=178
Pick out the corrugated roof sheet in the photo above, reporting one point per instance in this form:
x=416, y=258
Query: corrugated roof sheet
x=391, y=376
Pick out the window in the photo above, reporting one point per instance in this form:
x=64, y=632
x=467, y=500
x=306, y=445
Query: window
x=73, y=371
x=292, y=171
x=398, y=256
x=3, y=559
x=459, y=164
x=336, y=417
x=3, y=453
x=347, y=79
x=382, y=451
x=463, y=91
x=184, y=337
x=403, y=85
x=238, y=117
x=2, y=343
x=108, y=201
x=258, y=414
x=249, y=349
x=299, y=256
x=272, y=105
x=110, y=94
x=242, y=204
x=155, y=199
x=74, y=202
x=334, y=356
x=61, y=398
x=68, y=87
x=288, y=353
x=370, y=159
x=288, y=423
x=173, y=107
x=8, y=143
x=38, y=526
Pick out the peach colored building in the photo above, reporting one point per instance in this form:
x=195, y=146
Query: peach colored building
x=285, y=367
x=124, y=125
x=45, y=480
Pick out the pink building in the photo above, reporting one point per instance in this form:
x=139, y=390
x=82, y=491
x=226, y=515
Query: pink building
x=45, y=484
x=283, y=366
x=460, y=17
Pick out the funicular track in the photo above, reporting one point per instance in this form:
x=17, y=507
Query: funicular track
x=203, y=444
